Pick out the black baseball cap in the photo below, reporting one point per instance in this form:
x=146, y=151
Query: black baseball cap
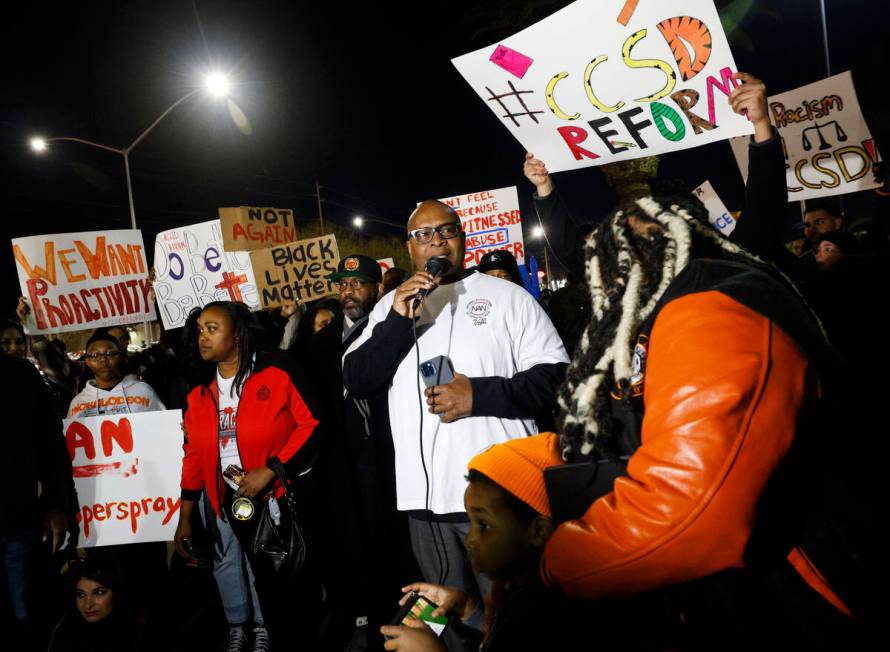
x=358, y=266
x=500, y=259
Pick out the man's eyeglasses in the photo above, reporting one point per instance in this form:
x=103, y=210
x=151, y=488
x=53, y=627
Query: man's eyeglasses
x=107, y=355
x=425, y=234
x=351, y=284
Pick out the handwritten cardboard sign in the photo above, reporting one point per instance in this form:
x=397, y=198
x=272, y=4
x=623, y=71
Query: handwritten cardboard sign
x=246, y=228
x=718, y=214
x=77, y=281
x=610, y=80
x=828, y=147
x=296, y=271
x=192, y=269
x=491, y=220
x=127, y=471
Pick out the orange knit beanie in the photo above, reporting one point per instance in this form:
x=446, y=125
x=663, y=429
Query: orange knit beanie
x=518, y=467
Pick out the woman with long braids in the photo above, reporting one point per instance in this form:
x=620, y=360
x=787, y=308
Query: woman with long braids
x=245, y=413
x=697, y=382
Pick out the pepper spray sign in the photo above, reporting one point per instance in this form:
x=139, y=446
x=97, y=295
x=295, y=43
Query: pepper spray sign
x=76, y=281
x=127, y=471
x=192, y=269
x=828, y=147
x=609, y=80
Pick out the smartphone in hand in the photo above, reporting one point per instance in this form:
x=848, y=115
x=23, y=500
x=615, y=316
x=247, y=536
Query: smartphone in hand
x=437, y=371
x=419, y=608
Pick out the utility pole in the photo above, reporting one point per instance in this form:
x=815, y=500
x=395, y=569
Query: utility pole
x=547, y=267
x=318, y=197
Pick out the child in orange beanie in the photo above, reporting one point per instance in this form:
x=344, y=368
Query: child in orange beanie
x=510, y=523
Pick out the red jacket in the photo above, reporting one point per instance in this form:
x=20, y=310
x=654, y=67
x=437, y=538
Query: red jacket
x=724, y=392
x=273, y=421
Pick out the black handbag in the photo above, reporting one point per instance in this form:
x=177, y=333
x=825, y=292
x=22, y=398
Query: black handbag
x=280, y=550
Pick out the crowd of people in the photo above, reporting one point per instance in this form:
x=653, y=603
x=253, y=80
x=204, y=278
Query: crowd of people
x=673, y=462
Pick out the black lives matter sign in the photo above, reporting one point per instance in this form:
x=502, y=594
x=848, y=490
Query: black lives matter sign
x=297, y=271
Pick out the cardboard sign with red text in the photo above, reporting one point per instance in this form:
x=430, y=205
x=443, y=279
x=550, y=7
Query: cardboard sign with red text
x=192, y=269
x=491, y=220
x=601, y=81
x=78, y=281
x=127, y=472
x=245, y=228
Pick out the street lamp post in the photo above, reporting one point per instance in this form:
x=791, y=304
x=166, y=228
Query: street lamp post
x=216, y=84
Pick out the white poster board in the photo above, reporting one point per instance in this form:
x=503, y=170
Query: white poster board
x=192, y=269
x=78, y=281
x=609, y=80
x=718, y=214
x=491, y=220
x=127, y=472
x=828, y=147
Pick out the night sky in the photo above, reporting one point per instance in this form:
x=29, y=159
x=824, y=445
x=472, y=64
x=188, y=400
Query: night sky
x=365, y=99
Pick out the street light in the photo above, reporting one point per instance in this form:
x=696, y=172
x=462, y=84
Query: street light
x=215, y=83
x=357, y=221
x=538, y=233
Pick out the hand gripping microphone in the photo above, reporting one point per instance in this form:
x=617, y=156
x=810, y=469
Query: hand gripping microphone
x=435, y=266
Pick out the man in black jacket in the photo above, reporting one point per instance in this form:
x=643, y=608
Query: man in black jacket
x=41, y=497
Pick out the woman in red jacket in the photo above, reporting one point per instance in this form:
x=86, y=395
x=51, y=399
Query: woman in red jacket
x=245, y=412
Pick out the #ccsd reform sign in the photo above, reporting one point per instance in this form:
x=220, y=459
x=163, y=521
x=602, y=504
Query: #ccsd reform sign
x=609, y=80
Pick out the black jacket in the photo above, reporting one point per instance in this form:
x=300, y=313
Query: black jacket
x=35, y=448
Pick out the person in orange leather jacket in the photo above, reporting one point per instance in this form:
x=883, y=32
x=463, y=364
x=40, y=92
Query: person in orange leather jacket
x=697, y=382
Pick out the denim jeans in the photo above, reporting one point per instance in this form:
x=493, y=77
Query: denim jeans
x=18, y=555
x=236, y=590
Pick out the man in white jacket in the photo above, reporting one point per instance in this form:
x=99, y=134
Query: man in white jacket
x=509, y=362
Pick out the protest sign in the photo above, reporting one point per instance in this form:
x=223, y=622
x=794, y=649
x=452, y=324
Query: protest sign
x=246, y=228
x=192, y=269
x=609, y=80
x=828, y=147
x=296, y=271
x=718, y=215
x=76, y=281
x=491, y=220
x=386, y=264
x=127, y=470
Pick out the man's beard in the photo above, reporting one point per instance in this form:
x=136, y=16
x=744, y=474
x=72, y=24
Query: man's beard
x=357, y=311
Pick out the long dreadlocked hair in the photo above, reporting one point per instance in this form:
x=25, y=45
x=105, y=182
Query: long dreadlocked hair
x=629, y=267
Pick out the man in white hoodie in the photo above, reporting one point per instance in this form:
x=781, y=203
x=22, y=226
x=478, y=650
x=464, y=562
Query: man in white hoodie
x=111, y=392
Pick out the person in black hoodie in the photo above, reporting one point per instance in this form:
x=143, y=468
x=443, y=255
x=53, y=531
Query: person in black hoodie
x=42, y=501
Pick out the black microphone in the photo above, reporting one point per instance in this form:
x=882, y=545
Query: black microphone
x=435, y=266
